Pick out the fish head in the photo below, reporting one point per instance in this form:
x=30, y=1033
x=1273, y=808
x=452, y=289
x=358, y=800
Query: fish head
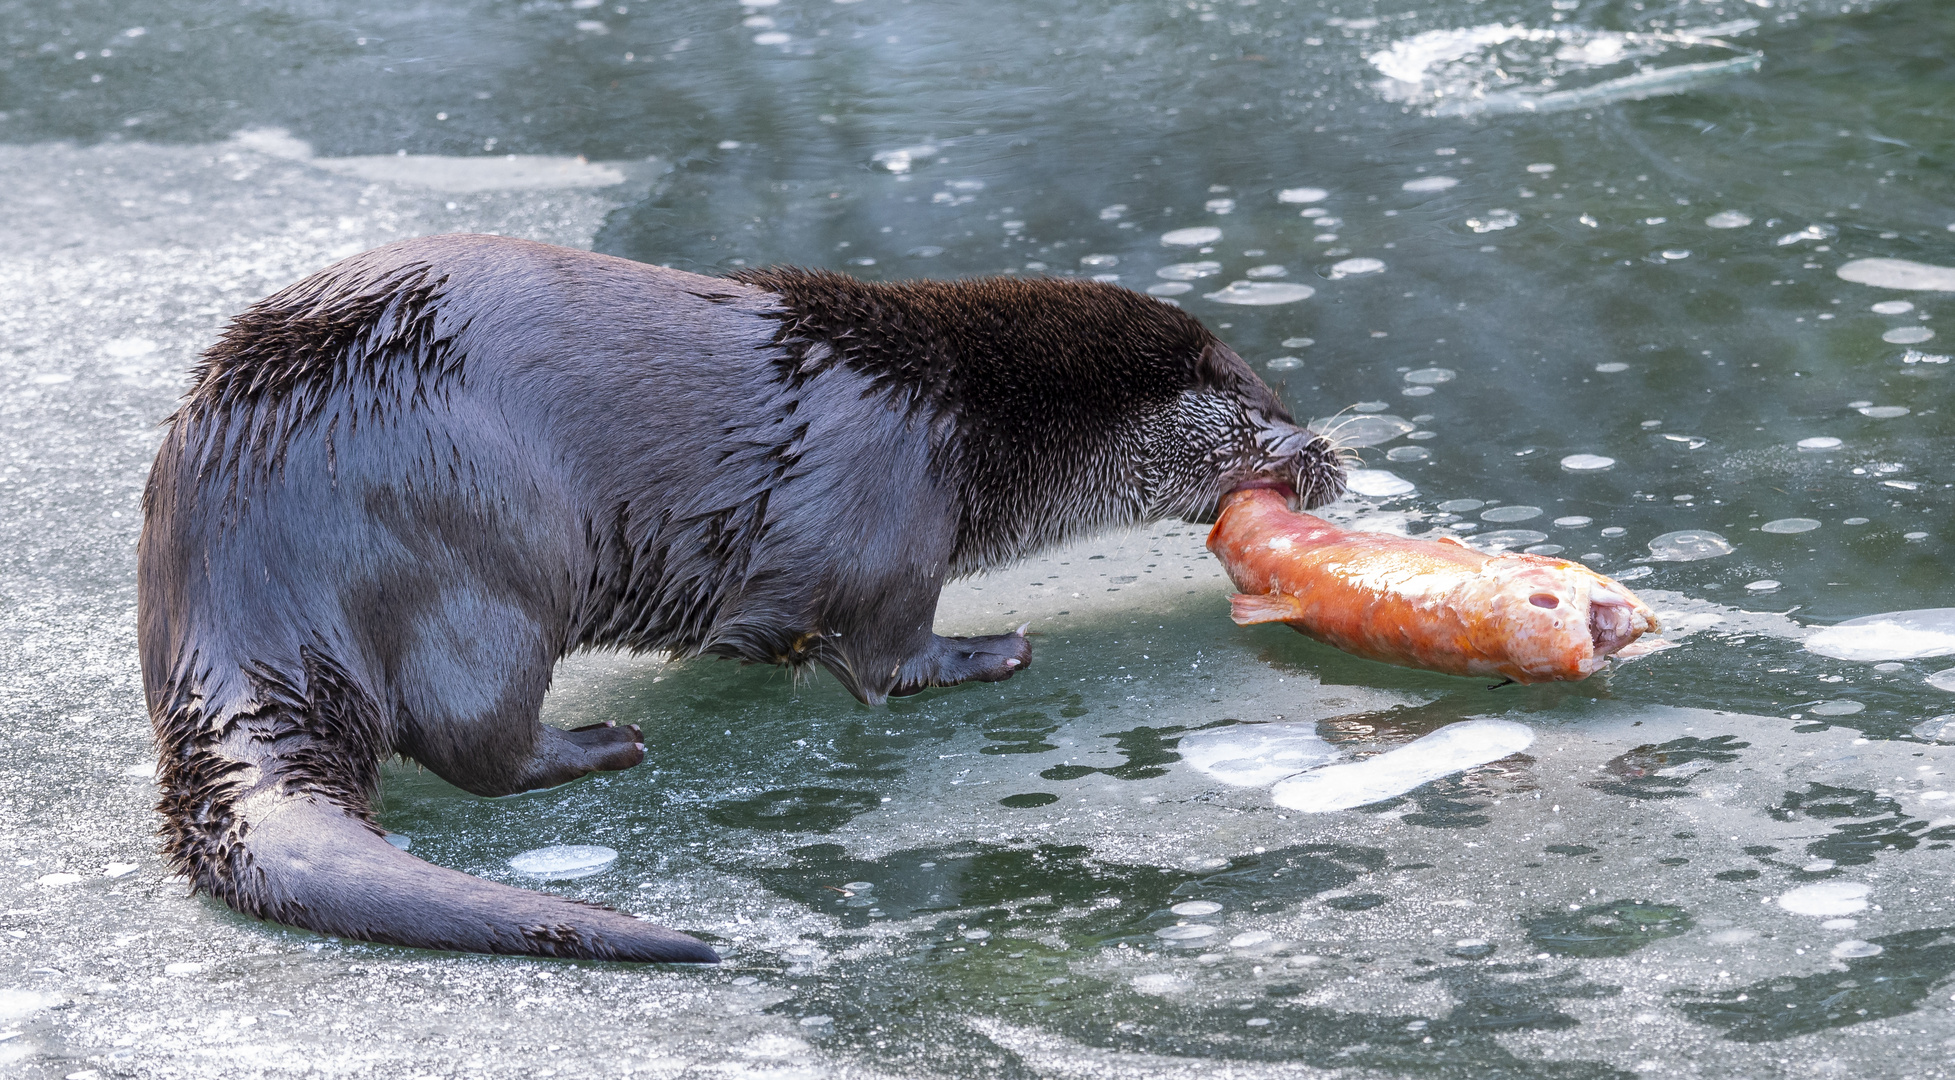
x=1557, y=615
x=1228, y=431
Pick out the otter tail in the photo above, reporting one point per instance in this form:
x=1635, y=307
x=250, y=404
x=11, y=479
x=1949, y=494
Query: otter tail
x=269, y=811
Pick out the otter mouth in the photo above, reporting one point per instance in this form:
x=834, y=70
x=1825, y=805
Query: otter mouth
x=1264, y=483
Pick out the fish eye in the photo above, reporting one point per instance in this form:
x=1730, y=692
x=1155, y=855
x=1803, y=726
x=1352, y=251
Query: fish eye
x=1542, y=599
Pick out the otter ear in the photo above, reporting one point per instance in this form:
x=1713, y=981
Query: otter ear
x=1220, y=367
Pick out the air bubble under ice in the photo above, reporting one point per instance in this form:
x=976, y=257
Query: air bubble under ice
x=1511, y=513
x=1360, y=265
x=1587, y=463
x=1788, y=526
x=1898, y=274
x=1361, y=429
x=1261, y=293
x=1191, y=237
x=1689, y=545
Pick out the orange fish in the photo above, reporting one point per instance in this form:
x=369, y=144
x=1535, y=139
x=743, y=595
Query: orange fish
x=1432, y=604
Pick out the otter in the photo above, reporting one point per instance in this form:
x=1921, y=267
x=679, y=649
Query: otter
x=400, y=490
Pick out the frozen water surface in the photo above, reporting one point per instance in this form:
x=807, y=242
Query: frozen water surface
x=1603, y=903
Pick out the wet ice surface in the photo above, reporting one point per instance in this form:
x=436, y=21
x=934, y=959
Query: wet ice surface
x=1610, y=900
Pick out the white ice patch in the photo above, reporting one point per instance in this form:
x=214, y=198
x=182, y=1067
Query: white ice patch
x=129, y=348
x=1587, y=463
x=563, y=862
x=1256, y=755
x=1449, y=750
x=1898, y=274
x=1302, y=195
x=1728, y=219
x=1160, y=983
x=1261, y=293
x=15, y=1004
x=1516, y=68
x=1195, y=237
x=1377, y=483
x=1894, y=635
x=1827, y=899
x=1429, y=183
x=505, y=172
x=904, y=158
x=1361, y=265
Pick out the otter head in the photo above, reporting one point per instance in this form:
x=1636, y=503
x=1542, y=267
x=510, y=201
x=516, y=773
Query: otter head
x=1228, y=430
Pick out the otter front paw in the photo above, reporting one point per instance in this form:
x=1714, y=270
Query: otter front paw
x=993, y=658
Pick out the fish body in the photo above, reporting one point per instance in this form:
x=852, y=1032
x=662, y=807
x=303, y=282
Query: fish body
x=1432, y=604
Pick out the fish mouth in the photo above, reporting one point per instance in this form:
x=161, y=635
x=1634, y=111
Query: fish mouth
x=1615, y=620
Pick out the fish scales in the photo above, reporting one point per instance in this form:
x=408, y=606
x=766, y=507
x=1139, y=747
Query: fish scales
x=1432, y=604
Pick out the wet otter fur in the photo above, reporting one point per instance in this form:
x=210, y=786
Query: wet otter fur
x=401, y=490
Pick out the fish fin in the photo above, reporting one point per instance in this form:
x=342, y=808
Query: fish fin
x=1249, y=610
x=1447, y=540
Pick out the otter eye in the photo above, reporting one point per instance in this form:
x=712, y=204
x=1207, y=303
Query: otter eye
x=1542, y=599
